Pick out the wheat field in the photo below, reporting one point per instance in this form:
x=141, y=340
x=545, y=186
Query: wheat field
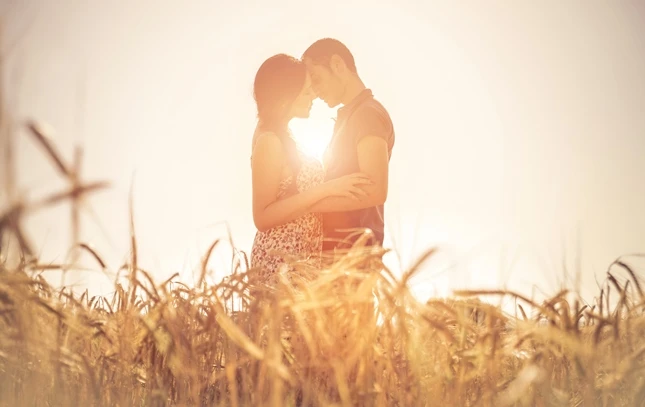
x=347, y=334
x=346, y=337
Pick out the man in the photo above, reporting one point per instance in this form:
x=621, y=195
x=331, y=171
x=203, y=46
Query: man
x=363, y=140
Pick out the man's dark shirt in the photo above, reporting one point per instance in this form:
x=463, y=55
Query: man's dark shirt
x=362, y=117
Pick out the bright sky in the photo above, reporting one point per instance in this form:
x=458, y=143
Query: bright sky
x=520, y=127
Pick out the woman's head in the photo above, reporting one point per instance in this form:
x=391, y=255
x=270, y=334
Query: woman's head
x=282, y=91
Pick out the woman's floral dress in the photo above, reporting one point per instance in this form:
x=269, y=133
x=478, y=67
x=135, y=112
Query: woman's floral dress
x=301, y=238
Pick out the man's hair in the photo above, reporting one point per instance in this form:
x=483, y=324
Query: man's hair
x=321, y=51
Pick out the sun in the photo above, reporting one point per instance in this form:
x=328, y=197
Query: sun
x=313, y=134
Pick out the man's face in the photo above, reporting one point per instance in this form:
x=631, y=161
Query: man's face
x=327, y=84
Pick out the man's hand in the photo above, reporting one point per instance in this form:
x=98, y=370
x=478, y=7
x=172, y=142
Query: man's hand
x=373, y=160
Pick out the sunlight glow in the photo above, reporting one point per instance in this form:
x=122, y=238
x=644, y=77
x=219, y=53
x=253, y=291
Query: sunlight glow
x=313, y=134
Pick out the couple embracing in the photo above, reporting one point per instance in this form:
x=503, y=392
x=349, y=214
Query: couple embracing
x=302, y=207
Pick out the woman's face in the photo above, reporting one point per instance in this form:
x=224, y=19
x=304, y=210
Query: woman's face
x=301, y=106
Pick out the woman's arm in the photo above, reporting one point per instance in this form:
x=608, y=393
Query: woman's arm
x=268, y=211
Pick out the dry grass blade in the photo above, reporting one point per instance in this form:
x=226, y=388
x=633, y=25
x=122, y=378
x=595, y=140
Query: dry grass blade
x=12, y=221
x=133, y=250
x=613, y=280
x=94, y=254
x=74, y=193
x=417, y=266
x=207, y=256
x=154, y=294
x=633, y=276
x=40, y=135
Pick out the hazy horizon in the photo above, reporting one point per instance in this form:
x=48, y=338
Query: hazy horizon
x=520, y=128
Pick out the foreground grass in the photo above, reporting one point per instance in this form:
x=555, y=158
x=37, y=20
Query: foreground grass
x=336, y=336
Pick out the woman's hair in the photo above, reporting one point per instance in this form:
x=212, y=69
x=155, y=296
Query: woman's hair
x=277, y=84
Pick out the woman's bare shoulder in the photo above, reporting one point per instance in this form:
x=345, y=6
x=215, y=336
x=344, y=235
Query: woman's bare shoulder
x=268, y=142
x=266, y=136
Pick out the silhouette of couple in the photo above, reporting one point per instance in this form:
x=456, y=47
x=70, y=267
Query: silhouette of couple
x=302, y=207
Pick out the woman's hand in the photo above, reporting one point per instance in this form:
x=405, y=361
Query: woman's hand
x=348, y=186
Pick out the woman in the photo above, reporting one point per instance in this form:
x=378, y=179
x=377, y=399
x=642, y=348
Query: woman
x=286, y=183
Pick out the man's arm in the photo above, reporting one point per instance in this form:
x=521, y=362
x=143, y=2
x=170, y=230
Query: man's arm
x=373, y=160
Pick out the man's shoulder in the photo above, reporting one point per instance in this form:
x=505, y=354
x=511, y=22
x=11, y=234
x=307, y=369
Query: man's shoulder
x=372, y=107
x=370, y=112
x=372, y=115
x=376, y=104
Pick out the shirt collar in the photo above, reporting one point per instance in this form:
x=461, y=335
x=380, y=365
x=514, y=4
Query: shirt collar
x=364, y=95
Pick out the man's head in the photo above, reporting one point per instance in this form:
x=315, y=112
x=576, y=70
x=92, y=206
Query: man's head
x=332, y=67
